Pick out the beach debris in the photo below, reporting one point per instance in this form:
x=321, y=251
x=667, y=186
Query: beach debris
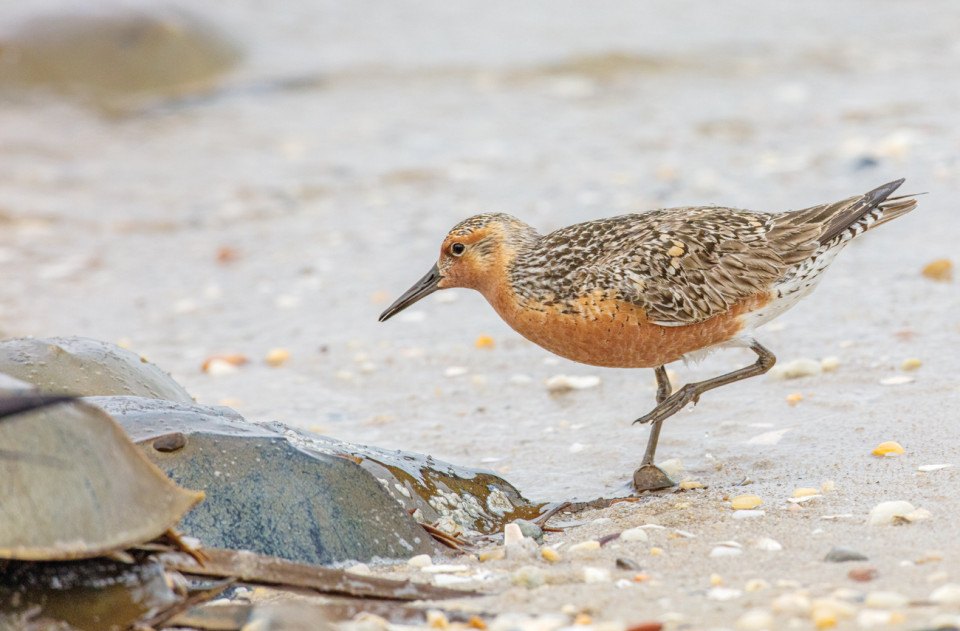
x=863, y=574
x=768, y=438
x=940, y=270
x=805, y=491
x=911, y=363
x=749, y=514
x=549, y=554
x=689, y=484
x=596, y=575
x=896, y=380
x=723, y=593
x=896, y=512
x=886, y=600
x=634, y=534
x=726, y=549
x=277, y=357
x=948, y=594
x=795, y=369
x=929, y=468
x=794, y=398
x=455, y=371
x=257, y=569
x=888, y=448
x=484, y=342
x=830, y=363
x=512, y=534
x=420, y=561
x=672, y=467
x=840, y=554
x=565, y=383
x=623, y=563
x=584, y=547
x=768, y=545
x=223, y=364
x=529, y=576
x=755, y=620
x=745, y=502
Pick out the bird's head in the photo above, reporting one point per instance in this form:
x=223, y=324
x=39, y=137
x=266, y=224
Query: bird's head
x=474, y=254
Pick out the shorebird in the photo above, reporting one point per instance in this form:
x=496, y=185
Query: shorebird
x=646, y=289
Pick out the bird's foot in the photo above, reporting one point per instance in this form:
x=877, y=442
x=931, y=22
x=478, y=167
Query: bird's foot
x=671, y=405
x=650, y=477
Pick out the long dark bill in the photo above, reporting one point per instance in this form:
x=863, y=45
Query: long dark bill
x=423, y=287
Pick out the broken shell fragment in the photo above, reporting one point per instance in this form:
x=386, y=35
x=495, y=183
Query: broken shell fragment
x=888, y=448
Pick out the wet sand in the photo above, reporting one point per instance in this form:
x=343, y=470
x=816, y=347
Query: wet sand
x=329, y=200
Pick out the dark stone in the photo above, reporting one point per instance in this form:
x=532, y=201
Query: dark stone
x=265, y=494
x=86, y=367
x=624, y=563
x=842, y=555
x=170, y=442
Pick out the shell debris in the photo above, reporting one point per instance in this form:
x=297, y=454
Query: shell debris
x=888, y=448
x=277, y=357
x=940, y=270
x=484, y=342
x=566, y=383
x=745, y=502
x=795, y=369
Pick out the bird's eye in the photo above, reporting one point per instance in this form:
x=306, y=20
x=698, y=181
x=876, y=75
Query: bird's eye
x=457, y=249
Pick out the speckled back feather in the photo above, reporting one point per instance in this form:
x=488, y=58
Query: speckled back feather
x=686, y=265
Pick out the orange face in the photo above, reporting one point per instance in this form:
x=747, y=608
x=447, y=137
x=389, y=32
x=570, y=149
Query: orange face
x=469, y=260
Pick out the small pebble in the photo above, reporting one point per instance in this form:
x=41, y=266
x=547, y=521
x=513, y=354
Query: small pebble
x=437, y=619
x=528, y=576
x=689, y=484
x=927, y=468
x=671, y=467
x=889, y=512
x=795, y=369
x=745, y=502
x=723, y=593
x=896, y=380
x=749, y=514
x=634, y=534
x=584, y=547
x=886, y=600
x=795, y=603
x=829, y=364
x=529, y=529
x=755, y=620
x=828, y=486
x=277, y=357
x=565, y=383
x=869, y=618
x=940, y=270
x=794, y=398
x=911, y=363
x=496, y=554
x=888, y=448
x=756, y=585
x=805, y=491
x=549, y=554
x=484, y=341
x=862, y=574
x=724, y=551
x=716, y=580
x=582, y=619
x=767, y=544
x=596, y=575
x=842, y=555
x=948, y=594
x=512, y=534
x=630, y=565
x=655, y=551
x=421, y=560
x=520, y=380
x=443, y=569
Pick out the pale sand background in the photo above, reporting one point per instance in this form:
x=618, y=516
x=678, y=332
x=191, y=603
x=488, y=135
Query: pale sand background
x=336, y=198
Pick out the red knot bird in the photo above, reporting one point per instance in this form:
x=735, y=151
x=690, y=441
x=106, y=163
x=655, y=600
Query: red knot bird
x=646, y=289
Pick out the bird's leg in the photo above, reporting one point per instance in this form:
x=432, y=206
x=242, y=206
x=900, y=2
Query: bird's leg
x=650, y=477
x=692, y=391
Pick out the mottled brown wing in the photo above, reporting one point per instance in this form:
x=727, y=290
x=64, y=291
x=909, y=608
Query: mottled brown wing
x=686, y=265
